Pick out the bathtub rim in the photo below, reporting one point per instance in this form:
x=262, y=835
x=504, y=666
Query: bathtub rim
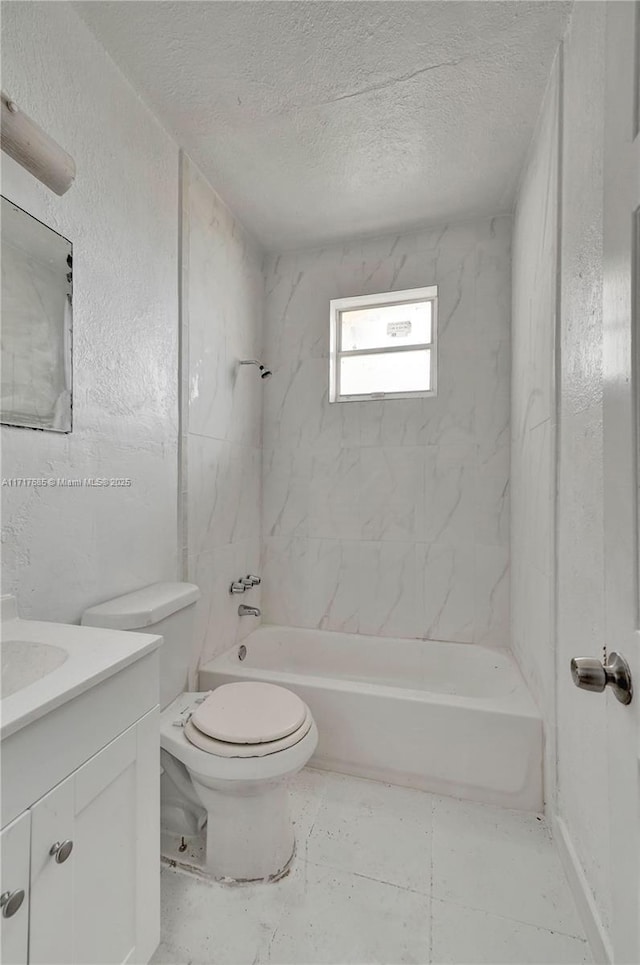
x=519, y=702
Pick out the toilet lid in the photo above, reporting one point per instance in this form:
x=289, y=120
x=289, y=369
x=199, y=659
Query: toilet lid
x=226, y=749
x=249, y=713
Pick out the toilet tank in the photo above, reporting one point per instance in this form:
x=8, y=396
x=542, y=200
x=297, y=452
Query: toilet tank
x=167, y=609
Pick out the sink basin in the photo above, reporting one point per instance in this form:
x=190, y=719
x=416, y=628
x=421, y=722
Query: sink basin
x=24, y=662
x=45, y=665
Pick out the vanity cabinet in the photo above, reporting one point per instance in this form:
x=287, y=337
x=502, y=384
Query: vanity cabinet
x=14, y=888
x=91, y=906
x=80, y=801
x=82, y=854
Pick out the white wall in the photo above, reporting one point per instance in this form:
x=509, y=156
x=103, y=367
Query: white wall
x=557, y=383
x=533, y=417
x=223, y=294
x=65, y=548
x=391, y=518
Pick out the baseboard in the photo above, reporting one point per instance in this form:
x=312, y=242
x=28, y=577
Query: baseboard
x=589, y=914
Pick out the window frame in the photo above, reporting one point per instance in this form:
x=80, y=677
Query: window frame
x=381, y=300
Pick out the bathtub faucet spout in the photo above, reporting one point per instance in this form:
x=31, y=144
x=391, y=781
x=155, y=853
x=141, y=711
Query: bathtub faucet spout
x=248, y=611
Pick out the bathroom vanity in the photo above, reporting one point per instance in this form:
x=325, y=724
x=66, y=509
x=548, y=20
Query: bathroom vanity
x=80, y=793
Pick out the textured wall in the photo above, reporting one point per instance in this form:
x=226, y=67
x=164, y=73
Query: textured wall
x=222, y=301
x=65, y=548
x=533, y=416
x=582, y=794
x=391, y=517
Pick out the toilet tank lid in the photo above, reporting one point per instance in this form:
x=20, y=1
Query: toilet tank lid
x=142, y=608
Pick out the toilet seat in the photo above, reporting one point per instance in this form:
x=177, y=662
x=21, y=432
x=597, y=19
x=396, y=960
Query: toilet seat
x=250, y=712
x=260, y=749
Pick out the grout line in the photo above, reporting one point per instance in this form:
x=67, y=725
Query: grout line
x=360, y=874
x=227, y=442
x=515, y=921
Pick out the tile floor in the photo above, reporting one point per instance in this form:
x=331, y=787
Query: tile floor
x=387, y=875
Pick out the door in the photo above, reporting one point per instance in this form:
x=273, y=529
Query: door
x=95, y=857
x=621, y=236
x=14, y=888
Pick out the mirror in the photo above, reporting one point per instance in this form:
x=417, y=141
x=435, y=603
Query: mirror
x=36, y=323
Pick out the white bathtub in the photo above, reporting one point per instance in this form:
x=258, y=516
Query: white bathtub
x=444, y=717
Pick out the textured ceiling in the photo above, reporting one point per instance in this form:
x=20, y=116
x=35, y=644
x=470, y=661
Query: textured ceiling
x=322, y=120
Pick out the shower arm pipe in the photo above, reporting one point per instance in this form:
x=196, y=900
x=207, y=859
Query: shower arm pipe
x=265, y=372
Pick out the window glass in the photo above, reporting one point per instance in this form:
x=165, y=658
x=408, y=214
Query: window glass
x=385, y=326
x=385, y=372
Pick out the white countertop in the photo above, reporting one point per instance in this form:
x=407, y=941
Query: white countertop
x=93, y=655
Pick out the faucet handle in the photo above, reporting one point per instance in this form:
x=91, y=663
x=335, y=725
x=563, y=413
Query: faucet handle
x=237, y=587
x=247, y=582
x=252, y=580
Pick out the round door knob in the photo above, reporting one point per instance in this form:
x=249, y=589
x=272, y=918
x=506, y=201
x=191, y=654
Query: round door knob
x=590, y=674
x=11, y=901
x=61, y=850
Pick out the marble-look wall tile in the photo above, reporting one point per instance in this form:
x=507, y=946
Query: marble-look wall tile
x=491, y=587
x=286, y=477
x=216, y=612
x=334, y=510
x=224, y=300
x=390, y=598
x=448, y=574
x=223, y=305
x=297, y=410
x=492, y=509
x=284, y=584
x=398, y=422
x=224, y=492
x=332, y=570
x=416, y=486
x=533, y=412
x=311, y=583
x=449, y=494
x=391, y=479
x=344, y=585
x=493, y=295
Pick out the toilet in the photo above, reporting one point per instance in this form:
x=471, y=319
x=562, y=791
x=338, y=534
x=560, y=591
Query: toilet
x=226, y=755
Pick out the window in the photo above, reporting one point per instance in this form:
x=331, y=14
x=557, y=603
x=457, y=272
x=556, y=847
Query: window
x=383, y=346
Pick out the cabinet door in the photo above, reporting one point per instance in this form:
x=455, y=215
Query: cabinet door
x=101, y=904
x=14, y=880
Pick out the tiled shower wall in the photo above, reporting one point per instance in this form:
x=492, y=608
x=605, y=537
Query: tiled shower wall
x=533, y=436
x=222, y=305
x=391, y=517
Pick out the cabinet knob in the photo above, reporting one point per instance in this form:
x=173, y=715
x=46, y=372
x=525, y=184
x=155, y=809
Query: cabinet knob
x=10, y=902
x=61, y=850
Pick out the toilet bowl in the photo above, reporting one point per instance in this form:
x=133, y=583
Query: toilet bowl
x=226, y=755
x=249, y=829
